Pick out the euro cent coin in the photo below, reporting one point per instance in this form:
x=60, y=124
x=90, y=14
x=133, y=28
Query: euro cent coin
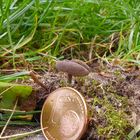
x=64, y=115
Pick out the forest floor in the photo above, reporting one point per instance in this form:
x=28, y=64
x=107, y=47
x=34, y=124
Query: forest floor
x=112, y=95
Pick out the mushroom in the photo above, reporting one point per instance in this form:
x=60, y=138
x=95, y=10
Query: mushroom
x=73, y=68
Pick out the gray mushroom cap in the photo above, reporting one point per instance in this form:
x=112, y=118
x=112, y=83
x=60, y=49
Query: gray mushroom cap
x=73, y=67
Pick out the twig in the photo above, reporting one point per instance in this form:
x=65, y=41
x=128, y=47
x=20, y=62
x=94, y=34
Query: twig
x=33, y=76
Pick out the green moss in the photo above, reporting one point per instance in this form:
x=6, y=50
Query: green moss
x=112, y=115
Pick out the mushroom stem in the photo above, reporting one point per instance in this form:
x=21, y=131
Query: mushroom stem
x=69, y=78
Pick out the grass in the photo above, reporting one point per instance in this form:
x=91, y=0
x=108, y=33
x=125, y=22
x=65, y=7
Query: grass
x=32, y=28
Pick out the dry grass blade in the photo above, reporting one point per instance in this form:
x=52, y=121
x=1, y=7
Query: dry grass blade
x=21, y=135
x=10, y=110
x=133, y=134
x=6, y=90
x=4, y=128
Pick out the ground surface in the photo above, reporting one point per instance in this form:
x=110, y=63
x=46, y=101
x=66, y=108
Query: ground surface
x=112, y=95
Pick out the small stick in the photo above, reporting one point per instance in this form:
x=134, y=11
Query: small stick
x=33, y=76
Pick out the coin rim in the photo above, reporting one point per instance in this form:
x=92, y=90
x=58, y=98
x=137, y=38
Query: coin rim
x=85, y=110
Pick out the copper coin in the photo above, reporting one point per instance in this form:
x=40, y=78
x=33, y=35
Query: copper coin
x=64, y=115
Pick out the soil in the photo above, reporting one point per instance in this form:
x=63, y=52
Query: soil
x=112, y=95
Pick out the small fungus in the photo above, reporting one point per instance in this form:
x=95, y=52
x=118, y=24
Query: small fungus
x=73, y=68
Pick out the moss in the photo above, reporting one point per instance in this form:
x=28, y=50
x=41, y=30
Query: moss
x=113, y=119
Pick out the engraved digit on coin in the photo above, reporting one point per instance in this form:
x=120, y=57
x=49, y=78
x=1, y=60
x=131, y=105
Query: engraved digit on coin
x=69, y=123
